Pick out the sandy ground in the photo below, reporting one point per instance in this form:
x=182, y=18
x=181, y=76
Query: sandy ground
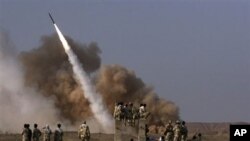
x=72, y=136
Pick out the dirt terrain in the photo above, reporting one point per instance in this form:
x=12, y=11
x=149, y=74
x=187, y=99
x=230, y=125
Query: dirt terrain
x=210, y=132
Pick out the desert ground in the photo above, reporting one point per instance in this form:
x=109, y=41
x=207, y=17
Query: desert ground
x=72, y=136
x=210, y=132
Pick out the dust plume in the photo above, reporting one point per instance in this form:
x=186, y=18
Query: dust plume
x=116, y=83
x=20, y=104
x=48, y=70
x=52, y=75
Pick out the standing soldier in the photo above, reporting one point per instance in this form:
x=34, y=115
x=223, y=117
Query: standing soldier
x=184, y=131
x=46, y=133
x=115, y=111
x=118, y=111
x=130, y=114
x=169, y=131
x=36, y=133
x=135, y=114
x=177, y=131
x=125, y=114
x=25, y=133
x=143, y=112
x=29, y=132
x=84, y=132
x=58, y=133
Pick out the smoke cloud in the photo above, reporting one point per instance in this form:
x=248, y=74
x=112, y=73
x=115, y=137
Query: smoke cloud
x=117, y=83
x=52, y=75
x=20, y=104
x=42, y=80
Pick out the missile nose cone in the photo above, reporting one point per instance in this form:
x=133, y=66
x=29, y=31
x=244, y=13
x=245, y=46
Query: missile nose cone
x=51, y=18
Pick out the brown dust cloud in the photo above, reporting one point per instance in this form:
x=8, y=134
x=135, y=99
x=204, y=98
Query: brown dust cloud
x=49, y=93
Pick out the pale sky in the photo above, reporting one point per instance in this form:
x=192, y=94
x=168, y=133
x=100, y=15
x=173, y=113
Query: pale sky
x=195, y=53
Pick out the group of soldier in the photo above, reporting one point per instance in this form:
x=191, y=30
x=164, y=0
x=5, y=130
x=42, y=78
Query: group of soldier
x=178, y=132
x=128, y=113
x=29, y=135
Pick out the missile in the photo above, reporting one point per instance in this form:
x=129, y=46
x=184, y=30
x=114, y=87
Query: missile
x=51, y=18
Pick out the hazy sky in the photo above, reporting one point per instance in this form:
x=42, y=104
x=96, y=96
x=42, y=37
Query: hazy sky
x=193, y=52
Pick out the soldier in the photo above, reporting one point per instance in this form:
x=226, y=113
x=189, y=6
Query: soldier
x=184, y=131
x=141, y=109
x=143, y=112
x=177, y=131
x=130, y=114
x=169, y=131
x=135, y=114
x=36, y=133
x=25, y=133
x=115, y=110
x=46, y=133
x=84, y=132
x=58, y=133
x=125, y=114
x=118, y=111
x=29, y=132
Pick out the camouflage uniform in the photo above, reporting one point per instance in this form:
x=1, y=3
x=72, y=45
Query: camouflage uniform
x=46, y=133
x=135, y=114
x=142, y=111
x=118, y=112
x=25, y=133
x=58, y=133
x=184, y=132
x=177, y=131
x=84, y=132
x=169, y=134
x=30, y=133
x=36, y=134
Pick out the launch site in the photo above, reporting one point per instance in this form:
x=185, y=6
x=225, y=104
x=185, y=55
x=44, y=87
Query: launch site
x=124, y=70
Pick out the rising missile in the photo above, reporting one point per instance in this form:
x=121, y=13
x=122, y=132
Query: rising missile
x=51, y=18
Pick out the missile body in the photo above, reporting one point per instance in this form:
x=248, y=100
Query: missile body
x=51, y=18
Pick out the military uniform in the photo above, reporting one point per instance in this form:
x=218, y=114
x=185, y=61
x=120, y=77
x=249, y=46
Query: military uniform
x=84, y=132
x=184, y=132
x=169, y=134
x=58, y=134
x=135, y=114
x=46, y=133
x=142, y=111
x=177, y=131
x=36, y=134
x=118, y=112
x=25, y=134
